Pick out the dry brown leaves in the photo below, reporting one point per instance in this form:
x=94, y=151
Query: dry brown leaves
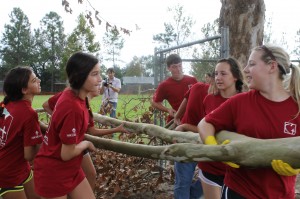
x=123, y=176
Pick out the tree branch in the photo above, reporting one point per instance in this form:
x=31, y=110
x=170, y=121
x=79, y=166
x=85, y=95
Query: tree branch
x=242, y=150
x=167, y=135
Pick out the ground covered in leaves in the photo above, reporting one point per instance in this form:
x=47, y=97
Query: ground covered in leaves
x=123, y=176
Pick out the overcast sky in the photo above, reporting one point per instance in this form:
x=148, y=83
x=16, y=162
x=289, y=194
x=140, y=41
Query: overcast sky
x=149, y=16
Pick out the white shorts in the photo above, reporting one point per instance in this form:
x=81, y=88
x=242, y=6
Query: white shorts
x=207, y=181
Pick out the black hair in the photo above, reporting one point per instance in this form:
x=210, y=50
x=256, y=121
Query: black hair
x=89, y=107
x=14, y=82
x=173, y=59
x=78, y=68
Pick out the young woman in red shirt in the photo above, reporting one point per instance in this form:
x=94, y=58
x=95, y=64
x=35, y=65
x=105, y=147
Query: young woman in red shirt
x=87, y=163
x=20, y=134
x=58, y=171
x=228, y=81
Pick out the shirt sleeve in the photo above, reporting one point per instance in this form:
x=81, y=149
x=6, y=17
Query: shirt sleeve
x=71, y=127
x=159, y=94
x=222, y=118
x=187, y=94
x=118, y=83
x=32, y=132
x=53, y=100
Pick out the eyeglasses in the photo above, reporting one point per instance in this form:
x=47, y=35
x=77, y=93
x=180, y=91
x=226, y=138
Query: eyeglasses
x=270, y=54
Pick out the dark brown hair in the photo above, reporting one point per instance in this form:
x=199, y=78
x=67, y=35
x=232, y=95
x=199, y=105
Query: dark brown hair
x=14, y=82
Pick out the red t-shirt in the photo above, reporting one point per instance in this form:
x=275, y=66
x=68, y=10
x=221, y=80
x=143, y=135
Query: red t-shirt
x=194, y=111
x=53, y=100
x=54, y=177
x=255, y=116
x=19, y=127
x=210, y=103
x=173, y=91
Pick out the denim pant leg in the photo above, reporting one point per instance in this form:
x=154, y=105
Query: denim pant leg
x=113, y=110
x=196, y=189
x=184, y=173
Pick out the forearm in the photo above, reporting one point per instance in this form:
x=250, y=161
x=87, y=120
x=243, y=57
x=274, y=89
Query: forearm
x=101, y=132
x=181, y=109
x=159, y=106
x=189, y=127
x=117, y=90
x=68, y=152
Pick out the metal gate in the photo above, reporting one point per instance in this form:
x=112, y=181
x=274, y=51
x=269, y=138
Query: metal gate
x=160, y=57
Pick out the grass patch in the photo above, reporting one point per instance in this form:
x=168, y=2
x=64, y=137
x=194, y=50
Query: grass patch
x=129, y=106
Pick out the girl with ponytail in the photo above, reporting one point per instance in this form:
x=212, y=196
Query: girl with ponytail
x=58, y=171
x=20, y=134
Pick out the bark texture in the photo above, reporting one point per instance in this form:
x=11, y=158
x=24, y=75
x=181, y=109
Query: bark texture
x=245, y=20
x=167, y=135
x=242, y=150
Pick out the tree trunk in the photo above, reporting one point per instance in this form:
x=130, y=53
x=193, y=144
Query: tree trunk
x=245, y=20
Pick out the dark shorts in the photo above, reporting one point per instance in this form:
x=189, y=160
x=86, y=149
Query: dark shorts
x=228, y=193
x=17, y=188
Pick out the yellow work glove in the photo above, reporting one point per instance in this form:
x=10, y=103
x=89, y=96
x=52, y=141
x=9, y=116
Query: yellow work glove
x=283, y=168
x=211, y=140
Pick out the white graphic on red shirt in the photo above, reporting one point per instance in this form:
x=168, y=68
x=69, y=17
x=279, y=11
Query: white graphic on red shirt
x=290, y=128
x=73, y=134
x=36, y=136
x=5, y=128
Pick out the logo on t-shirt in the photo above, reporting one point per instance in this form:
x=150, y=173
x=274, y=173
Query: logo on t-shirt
x=73, y=134
x=4, y=130
x=290, y=128
x=36, y=136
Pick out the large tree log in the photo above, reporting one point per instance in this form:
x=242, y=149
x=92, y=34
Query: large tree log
x=242, y=150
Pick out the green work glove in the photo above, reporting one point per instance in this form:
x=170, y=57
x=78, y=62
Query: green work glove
x=283, y=168
x=211, y=140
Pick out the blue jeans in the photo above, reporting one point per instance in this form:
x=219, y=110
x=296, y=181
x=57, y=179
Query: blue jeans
x=184, y=188
x=113, y=109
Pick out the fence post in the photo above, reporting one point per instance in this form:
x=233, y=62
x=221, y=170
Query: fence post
x=224, y=42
